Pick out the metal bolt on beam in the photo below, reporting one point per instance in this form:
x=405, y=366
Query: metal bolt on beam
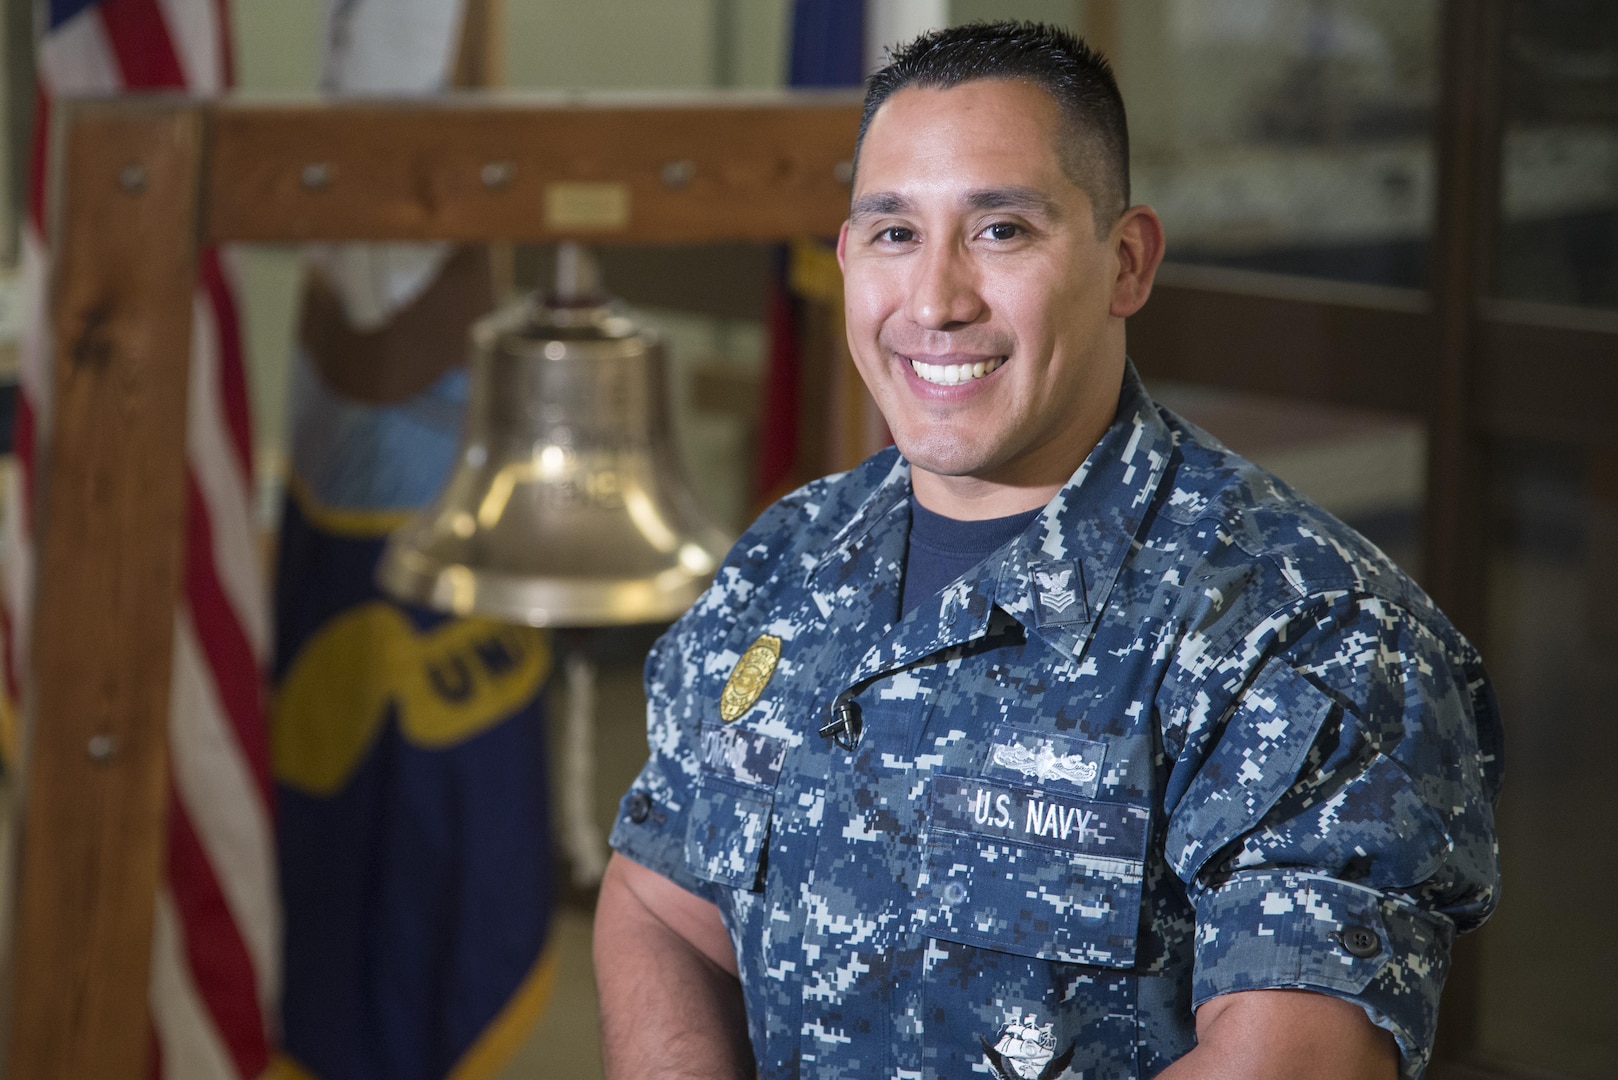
x=102, y=748
x=498, y=174
x=678, y=174
x=318, y=175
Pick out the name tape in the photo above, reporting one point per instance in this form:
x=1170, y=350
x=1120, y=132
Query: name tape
x=741, y=755
x=1020, y=815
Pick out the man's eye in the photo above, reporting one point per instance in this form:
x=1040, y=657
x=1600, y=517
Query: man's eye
x=896, y=234
x=1002, y=230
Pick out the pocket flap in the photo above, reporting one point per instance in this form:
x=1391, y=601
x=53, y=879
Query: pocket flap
x=1028, y=871
x=1257, y=758
x=730, y=806
x=724, y=837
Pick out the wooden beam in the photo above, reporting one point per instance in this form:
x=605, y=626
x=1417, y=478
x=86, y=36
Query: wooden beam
x=480, y=48
x=1546, y=372
x=1330, y=342
x=708, y=169
x=1101, y=23
x=1471, y=139
x=1601, y=609
x=1470, y=146
x=110, y=521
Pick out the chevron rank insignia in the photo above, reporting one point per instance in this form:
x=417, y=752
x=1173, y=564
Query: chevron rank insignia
x=1059, y=588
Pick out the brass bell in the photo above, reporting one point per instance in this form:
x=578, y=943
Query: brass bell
x=567, y=507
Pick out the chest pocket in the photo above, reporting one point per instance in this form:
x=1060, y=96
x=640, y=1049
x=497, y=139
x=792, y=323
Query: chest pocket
x=1029, y=871
x=730, y=811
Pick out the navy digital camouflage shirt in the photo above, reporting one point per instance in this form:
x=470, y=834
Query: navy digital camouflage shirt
x=1187, y=734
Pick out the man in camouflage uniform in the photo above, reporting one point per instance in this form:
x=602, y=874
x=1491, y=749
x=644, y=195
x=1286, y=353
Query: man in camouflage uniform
x=1184, y=778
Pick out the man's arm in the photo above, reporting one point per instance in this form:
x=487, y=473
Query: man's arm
x=671, y=1005
x=1335, y=827
x=1286, y=1035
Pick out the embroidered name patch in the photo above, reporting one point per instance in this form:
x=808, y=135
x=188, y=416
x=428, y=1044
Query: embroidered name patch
x=1020, y=815
x=1045, y=759
x=743, y=756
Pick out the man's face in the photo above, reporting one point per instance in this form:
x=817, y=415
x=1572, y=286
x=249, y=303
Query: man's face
x=979, y=298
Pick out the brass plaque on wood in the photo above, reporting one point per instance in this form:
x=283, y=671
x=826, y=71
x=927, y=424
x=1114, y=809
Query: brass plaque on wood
x=578, y=205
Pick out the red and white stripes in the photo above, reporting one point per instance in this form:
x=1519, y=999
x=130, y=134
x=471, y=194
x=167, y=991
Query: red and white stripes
x=216, y=947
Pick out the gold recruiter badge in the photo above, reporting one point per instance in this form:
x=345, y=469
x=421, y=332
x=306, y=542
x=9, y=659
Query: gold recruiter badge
x=749, y=677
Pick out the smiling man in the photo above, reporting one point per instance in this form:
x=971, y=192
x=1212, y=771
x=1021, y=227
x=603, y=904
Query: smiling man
x=1057, y=741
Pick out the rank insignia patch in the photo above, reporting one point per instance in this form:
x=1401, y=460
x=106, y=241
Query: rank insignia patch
x=749, y=677
x=1059, y=589
x=1054, y=592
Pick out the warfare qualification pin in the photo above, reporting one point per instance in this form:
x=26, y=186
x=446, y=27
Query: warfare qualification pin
x=749, y=677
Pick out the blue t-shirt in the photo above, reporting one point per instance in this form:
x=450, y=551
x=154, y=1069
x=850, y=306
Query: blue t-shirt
x=941, y=549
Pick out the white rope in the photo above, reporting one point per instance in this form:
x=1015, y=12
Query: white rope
x=586, y=848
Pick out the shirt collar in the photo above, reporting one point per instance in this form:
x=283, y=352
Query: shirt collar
x=1056, y=575
x=892, y=490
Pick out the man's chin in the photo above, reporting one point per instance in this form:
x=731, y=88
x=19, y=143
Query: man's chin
x=944, y=458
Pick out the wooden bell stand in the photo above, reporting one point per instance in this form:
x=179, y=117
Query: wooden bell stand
x=144, y=184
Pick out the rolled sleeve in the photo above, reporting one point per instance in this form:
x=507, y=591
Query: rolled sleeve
x=653, y=816
x=1334, y=826
x=650, y=829
x=1266, y=931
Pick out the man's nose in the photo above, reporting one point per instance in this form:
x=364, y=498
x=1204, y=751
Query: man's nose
x=943, y=288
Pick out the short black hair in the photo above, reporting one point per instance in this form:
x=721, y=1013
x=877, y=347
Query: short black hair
x=1094, y=149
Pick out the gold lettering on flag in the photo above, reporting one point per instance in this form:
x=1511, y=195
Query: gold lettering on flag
x=447, y=684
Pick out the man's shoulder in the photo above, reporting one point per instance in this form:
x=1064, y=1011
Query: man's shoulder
x=810, y=517
x=793, y=533
x=1219, y=511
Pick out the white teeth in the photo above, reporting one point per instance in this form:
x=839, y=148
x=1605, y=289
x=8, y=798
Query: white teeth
x=950, y=374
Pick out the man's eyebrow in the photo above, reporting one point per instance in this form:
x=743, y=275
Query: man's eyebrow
x=877, y=203
x=1025, y=199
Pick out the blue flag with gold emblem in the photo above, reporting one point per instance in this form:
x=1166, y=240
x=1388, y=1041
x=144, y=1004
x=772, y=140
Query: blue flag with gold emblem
x=409, y=754
x=408, y=748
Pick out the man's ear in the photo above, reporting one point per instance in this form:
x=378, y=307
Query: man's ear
x=842, y=241
x=1137, y=238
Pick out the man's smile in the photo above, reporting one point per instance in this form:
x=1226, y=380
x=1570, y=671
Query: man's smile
x=949, y=371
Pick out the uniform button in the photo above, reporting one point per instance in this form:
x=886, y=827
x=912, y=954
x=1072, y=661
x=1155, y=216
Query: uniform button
x=954, y=892
x=1359, y=941
x=640, y=807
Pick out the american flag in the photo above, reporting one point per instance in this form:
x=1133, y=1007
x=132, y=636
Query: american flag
x=216, y=951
